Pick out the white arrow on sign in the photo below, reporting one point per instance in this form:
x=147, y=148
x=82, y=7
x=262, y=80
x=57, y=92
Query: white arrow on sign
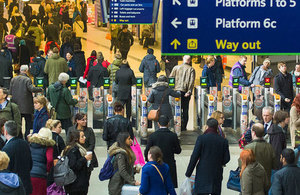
x=175, y=22
x=176, y=2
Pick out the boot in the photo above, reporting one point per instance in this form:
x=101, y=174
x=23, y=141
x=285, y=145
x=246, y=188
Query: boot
x=219, y=96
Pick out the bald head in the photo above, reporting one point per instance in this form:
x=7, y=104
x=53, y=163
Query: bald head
x=258, y=130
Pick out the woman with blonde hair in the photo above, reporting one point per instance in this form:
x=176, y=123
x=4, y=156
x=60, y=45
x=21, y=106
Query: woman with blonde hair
x=219, y=116
x=209, y=72
x=254, y=179
x=41, y=113
x=10, y=183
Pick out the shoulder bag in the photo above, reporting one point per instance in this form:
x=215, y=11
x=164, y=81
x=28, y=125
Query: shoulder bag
x=162, y=178
x=154, y=114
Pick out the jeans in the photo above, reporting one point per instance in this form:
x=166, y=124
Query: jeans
x=28, y=123
x=66, y=124
x=219, y=86
x=185, y=101
x=128, y=107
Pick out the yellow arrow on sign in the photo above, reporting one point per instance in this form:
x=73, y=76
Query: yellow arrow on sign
x=175, y=42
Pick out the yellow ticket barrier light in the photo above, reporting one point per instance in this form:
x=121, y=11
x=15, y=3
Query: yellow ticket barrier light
x=110, y=109
x=277, y=102
x=244, y=112
x=177, y=117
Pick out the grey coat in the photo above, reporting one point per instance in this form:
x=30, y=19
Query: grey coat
x=257, y=79
x=21, y=89
x=156, y=96
x=124, y=174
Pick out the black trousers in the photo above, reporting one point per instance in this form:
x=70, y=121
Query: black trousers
x=84, y=26
x=113, y=44
x=124, y=54
x=66, y=124
x=128, y=107
x=28, y=123
x=185, y=101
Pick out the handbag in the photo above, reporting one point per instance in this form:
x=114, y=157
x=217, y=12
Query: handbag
x=138, y=152
x=54, y=189
x=154, y=114
x=108, y=36
x=234, y=180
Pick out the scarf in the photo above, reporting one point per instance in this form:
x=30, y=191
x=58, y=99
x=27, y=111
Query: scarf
x=211, y=130
x=82, y=150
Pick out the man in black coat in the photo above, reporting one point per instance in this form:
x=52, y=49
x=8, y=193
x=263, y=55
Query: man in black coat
x=125, y=41
x=168, y=142
x=5, y=67
x=19, y=153
x=286, y=180
x=51, y=31
x=211, y=153
x=79, y=60
x=283, y=85
x=125, y=79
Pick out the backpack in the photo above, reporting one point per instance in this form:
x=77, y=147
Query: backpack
x=34, y=69
x=246, y=138
x=63, y=174
x=107, y=170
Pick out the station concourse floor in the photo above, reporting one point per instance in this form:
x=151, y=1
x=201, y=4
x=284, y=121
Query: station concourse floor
x=94, y=39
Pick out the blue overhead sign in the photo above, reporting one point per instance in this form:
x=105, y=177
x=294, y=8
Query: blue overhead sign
x=131, y=11
x=231, y=27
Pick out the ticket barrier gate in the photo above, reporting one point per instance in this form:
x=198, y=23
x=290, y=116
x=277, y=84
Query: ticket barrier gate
x=175, y=123
x=259, y=100
x=143, y=115
x=40, y=83
x=242, y=112
x=227, y=102
x=102, y=104
x=136, y=91
x=271, y=99
x=297, y=85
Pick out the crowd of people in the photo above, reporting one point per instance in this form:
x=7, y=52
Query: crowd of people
x=27, y=161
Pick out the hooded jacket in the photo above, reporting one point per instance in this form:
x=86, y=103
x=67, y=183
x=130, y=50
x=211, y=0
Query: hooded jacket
x=11, y=184
x=254, y=180
x=54, y=66
x=210, y=74
x=38, y=33
x=64, y=102
x=124, y=167
x=113, y=68
x=150, y=67
x=156, y=95
x=79, y=60
x=37, y=69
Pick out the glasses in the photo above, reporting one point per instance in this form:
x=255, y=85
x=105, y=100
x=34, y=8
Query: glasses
x=84, y=119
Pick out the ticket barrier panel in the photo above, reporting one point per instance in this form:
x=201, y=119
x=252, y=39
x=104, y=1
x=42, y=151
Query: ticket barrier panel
x=73, y=89
x=110, y=109
x=136, y=91
x=209, y=105
x=227, y=102
x=197, y=93
x=235, y=93
x=98, y=108
x=143, y=126
x=40, y=83
x=242, y=112
x=171, y=83
x=259, y=100
x=297, y=85
x=274, y=100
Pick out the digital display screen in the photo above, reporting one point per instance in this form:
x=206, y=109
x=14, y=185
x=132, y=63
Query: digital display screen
x=73, y=82
x=267, y=81
x=203, y=81
x=40, y=82
x=106, y=82
x=235, y=81
x=172, y=82
x=298, y=81
x=139, y=82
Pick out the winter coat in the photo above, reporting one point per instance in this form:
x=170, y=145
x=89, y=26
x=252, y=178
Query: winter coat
x=42, y=156
x=150, y=67
x=20, y=160
x=286, y=181
x=124, y=79
x=24, y=54
x=124, y=167
x=209, y=73
x=90, y=142
x=113, y=126
x=65, y=48
x=79, y=60
x=239, y=71
x=76, y=40
x=114, y=30
x=257, y=78
x=30, y=44
x=40, y=119
x=277, y=140
x=152, y=183
x=169, y=144
x=89, y=64
x=113, y=68
x=11, y=184
x=211, y=154
x=21, y=89
x=37, y=70
x=283, y=86
x=156, y=95
x=78, y=28
x=54, y=66
x=264, y=154
x=294, y=124
x=27, y=11
x=254, y=180
x=12, y=112
x=64, y=34
x=59, y=145
x=5, y=67
x=125, y=41
x=52, y=32
x=71, y=64
x=66, y=100
x=96, y=75
x=78, y=164
x=219, y=70
x=184, y=78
